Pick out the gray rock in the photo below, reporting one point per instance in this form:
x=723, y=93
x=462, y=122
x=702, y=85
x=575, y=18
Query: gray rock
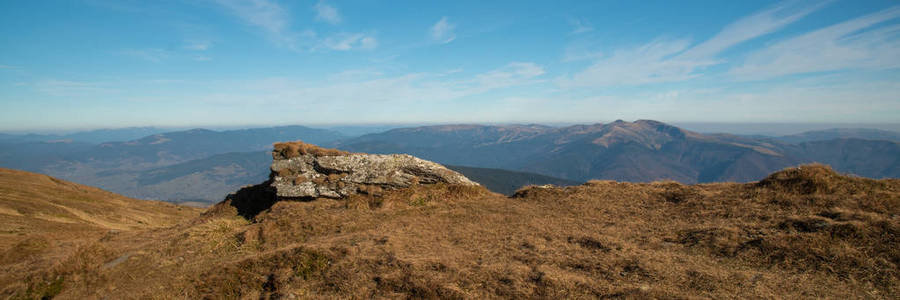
x=310, y=175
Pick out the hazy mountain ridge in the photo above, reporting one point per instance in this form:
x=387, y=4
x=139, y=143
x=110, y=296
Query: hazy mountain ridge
x=204, y=165
x=643, y=150
x=96, y=136
x=192, y=144
x=870, y=158
x=137, y=168
x=841, y=133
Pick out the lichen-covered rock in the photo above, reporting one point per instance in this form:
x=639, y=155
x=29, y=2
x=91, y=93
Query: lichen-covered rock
x=302, y=170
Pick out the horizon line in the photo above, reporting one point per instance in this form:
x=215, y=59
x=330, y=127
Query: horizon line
x=71, y=130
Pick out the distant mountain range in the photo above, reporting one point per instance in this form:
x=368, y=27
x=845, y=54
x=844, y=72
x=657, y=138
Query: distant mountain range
x=841, y=133
x=203, y=165
x=175, y=147
x=143, y=167
x=96, y=136
x=209, y=179
x=633, y=151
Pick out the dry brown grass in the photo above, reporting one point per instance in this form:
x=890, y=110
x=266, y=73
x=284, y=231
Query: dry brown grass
x=810, y=233
x=48, y=229
x=293, y=149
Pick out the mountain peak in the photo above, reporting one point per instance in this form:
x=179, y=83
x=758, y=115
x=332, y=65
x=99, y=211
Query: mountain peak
x=648, y=133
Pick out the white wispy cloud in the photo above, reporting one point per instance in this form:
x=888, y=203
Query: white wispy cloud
x=513, y=74
x=197, y=45
x=580, y=26
x=650, y=63
x=443, y=31
x=275, y=22
x=344, y=41
x=364, y=89
x=750, y=27
x=327, y=13
x=795, y=101
x=859, y=43
x=266, y=15
x=7, y=67
x=666, y=60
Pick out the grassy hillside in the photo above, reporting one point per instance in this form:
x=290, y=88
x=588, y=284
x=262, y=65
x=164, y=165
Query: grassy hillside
x=800, y=233
x=44, y=219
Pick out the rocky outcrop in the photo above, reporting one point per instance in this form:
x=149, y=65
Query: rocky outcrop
x=301, y=170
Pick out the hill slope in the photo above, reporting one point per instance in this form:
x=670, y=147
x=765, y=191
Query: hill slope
x=803, y=232
x=37, y=200
x=44, y=219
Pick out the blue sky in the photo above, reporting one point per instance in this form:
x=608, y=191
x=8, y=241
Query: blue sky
x=93, y=63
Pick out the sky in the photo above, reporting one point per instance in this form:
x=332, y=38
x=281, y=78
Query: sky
x=81, y=64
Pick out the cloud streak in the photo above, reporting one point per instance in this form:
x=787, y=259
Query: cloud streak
x=580, y=26
x=344, y=42
x=668, y=60
x=268, y=16
x=751, y=27
x=197, y=45
x=275, y=23
x=372, y=89
x=327, y=13
x=443, y=31
x=855, y=44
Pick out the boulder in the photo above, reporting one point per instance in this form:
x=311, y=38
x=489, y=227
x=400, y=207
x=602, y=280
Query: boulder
x=305, y=171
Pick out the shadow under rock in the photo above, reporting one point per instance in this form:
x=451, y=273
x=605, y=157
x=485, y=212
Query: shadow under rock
x=252, y=200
